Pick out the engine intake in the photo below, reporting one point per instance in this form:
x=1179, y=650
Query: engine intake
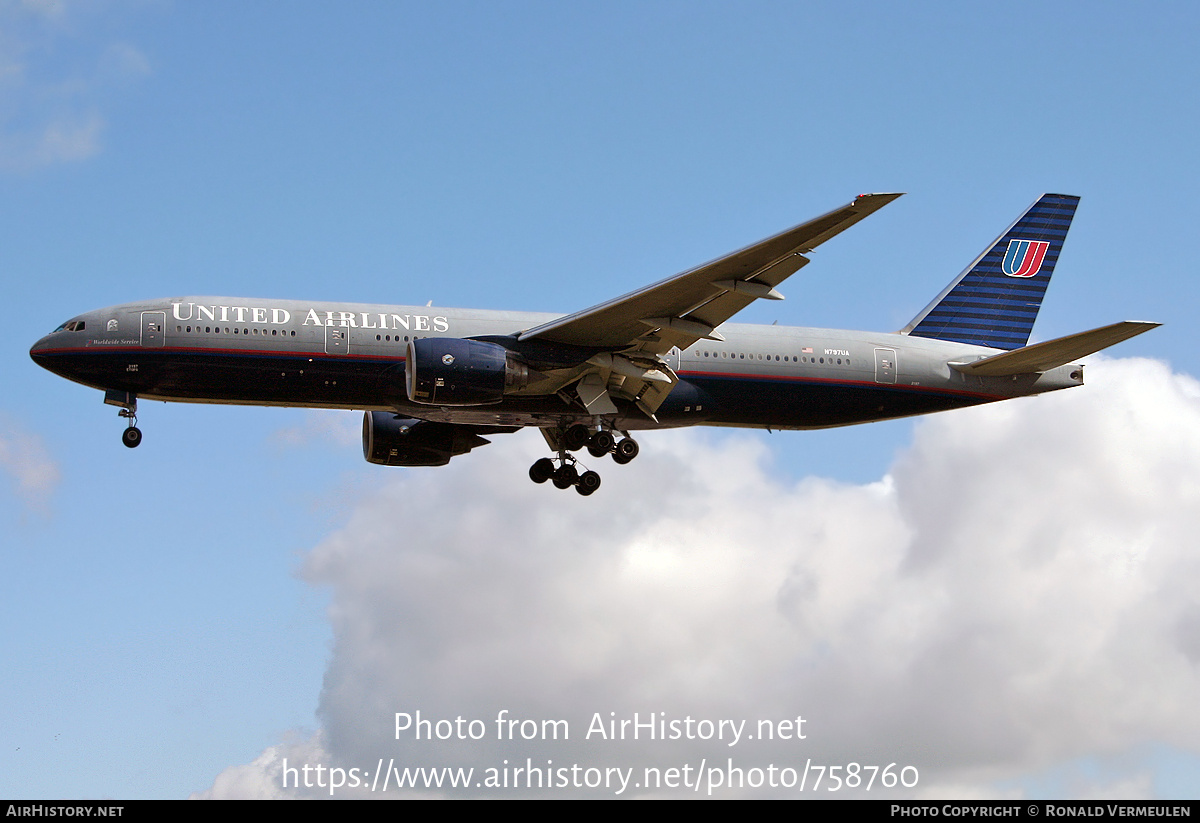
x=450, y=371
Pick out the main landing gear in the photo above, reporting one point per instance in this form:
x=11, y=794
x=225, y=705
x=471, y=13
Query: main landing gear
x=566, y=474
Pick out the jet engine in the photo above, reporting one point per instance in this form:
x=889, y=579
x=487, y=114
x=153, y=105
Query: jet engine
x=449, y=371
x=391, y=440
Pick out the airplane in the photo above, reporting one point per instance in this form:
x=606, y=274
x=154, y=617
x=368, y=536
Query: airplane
x=434, y=382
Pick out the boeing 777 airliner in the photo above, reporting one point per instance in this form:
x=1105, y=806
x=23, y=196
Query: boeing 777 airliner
x=433, y=382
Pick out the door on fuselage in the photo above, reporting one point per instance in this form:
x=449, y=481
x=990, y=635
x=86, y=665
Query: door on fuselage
x=885, y=365
x=154, y=324
x=337, y=339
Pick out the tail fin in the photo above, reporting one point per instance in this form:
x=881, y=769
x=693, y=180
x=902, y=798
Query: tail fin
x=995, y=301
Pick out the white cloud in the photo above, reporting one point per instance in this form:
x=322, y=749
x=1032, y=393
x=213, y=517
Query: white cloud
x=262, y=779
x=52, y=88
x=1017, y=594
x=122, y=61
x=64, y=139
x=49, y=9
x=26, y=461
x=343, y=429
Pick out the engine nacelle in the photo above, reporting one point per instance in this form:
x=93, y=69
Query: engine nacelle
x=450, y=371
x=390, y=440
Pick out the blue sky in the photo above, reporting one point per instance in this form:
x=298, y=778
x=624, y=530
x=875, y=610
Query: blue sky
x=170, y=612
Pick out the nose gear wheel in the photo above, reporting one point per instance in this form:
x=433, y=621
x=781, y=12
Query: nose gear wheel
x=132, y=436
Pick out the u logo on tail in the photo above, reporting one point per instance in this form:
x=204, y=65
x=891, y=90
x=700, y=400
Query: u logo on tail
x=1024, y=257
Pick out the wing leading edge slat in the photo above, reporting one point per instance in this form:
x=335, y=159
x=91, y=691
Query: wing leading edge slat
x=695, y=296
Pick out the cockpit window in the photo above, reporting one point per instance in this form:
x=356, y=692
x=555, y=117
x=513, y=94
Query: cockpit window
x=71, y=325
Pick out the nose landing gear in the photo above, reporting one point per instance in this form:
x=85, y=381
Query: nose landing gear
x=127, y=401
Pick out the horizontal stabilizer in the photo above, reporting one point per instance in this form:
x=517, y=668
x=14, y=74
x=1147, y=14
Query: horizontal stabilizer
x=1051, y=354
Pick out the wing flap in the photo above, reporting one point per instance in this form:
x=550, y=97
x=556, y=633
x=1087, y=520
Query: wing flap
x=1051, y=354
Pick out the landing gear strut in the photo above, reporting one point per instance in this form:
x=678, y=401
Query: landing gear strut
x=566, y=473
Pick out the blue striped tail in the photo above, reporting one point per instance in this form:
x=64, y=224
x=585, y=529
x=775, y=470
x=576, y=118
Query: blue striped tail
x=995, y=301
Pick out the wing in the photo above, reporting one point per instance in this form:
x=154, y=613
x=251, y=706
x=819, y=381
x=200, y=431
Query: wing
x=644, y=325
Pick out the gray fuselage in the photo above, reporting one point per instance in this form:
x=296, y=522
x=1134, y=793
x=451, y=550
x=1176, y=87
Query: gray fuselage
x=352, y=356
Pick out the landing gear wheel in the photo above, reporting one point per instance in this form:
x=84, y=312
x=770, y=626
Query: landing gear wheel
x=576, y=437
x=588, y=483
x=626, y=450
x=132, y=437
x=601, y=443
x=542, y=470
x=565, y=477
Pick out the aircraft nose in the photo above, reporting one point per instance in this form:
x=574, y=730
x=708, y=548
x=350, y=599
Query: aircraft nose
x=42, y=354
x=38, y=351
